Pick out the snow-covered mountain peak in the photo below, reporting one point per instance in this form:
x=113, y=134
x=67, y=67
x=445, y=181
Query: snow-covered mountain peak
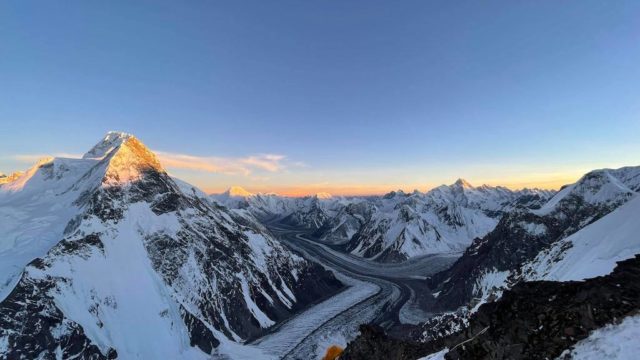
x=324, y=195
x=393, y=194
x=237, y=191
x=129, y=161
x=119, y=159
x=111, y=141
x=463, y=184
x=603, y=187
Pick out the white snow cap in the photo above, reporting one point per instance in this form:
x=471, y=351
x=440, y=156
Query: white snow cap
x=110, y=142
x=237, y=191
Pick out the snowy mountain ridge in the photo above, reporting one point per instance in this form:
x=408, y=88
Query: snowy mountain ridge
x=592, y=251
x=531, y=244
x=95, y=248
x=395, y=226
x=603, y=186
x=307, y=212
x=444, y=219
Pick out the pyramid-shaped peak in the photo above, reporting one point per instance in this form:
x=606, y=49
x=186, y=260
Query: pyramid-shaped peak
x=463, y=183
x=127, y=158
x=237, y=191
x=112, y=140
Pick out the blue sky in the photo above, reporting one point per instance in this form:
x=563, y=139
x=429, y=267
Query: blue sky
x=338, y=96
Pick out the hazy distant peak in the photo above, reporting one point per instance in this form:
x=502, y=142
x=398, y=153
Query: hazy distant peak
x=237, y=191
x=463, y=183
x=324, y=195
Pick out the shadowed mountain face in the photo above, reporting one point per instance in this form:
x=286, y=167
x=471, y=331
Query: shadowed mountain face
x=131, y=249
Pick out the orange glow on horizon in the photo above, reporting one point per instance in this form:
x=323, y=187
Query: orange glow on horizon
x=554, y=183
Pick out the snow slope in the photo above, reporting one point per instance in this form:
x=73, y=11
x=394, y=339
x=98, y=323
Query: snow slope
x=592, y=251
x=35, y=209
x=619, y=341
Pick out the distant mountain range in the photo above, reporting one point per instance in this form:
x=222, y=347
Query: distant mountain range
x=539, y=283
x=108, y=257
x=396, y=226
x=520, y=236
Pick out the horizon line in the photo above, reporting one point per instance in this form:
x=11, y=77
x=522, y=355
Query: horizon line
x=348, y=191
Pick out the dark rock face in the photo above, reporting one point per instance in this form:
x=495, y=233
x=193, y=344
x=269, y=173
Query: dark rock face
x=200, y=336
x=374, y=344
x=533, y=320
x=540, y=319
x=441, y=326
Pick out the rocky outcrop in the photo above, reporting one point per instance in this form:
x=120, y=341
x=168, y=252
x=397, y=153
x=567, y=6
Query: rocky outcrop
x=540, y=319
x=374, y=344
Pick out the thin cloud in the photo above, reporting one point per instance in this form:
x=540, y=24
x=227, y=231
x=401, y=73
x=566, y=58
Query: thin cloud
x=229, y=166
x=268, y=162
x=248, y=165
